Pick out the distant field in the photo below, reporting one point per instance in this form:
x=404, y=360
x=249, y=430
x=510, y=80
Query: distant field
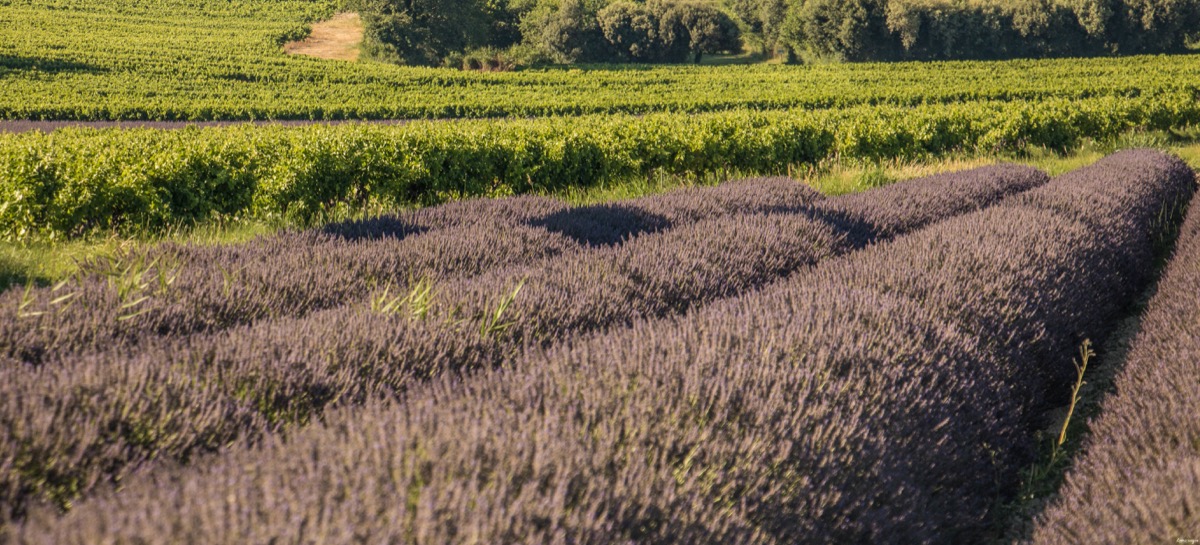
x=78, y=182
x=162, y=63
x=208, y=60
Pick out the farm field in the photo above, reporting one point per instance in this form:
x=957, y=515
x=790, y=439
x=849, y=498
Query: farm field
x=344, y=301
x=575, y=128
x=174, y=59
x=484, y=364
x=48, y=261
x=79, y=181
x=1143, y=450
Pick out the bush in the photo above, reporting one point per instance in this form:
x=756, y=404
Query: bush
x=280, y=372
x=693, y=28
x=753, y=420
x=424, y=32
x=1136, y=479
x=631, y=29
x=950, y=29
x=80, y=181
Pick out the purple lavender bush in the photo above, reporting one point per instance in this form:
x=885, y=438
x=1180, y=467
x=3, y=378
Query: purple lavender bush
x=279, y=372
x=654, y=276
x=611, y=223
x=882, y=397
x=1137, y=478
x=176, y=290
x=186, y=290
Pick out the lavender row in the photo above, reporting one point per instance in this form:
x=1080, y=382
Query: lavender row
x=1137, y=479
x=180, y=291
x=173, y=290
x=252, y=379
x=651, y=277
x=277, y=372
x=883, y=397
x=608, y=223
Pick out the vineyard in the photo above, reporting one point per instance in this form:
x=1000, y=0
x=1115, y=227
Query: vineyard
x=602, y=125
x=749, y=362
x=188, y=60
x=73, y=182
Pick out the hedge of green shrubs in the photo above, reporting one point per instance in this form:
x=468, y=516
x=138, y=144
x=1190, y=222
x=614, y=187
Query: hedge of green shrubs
x=77, y=181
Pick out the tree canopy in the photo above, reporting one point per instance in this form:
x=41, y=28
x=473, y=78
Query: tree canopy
x=441, y=32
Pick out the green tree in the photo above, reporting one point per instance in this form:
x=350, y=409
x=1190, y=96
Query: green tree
x=852, y=30
x=693, y=29
x=631, y=29
x=1094, y=16
x=503, y=23
x=423, y=32
x=763, y=17
x=568, y=31
x=1148, y=26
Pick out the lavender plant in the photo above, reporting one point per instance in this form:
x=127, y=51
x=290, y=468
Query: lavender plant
x=290, y=274
x=882, y=396
x=1136, y=481
x=281, y=372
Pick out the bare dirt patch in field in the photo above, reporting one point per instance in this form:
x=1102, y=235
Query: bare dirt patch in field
x=337, y=39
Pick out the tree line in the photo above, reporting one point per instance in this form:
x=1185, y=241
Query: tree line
x=497, y=34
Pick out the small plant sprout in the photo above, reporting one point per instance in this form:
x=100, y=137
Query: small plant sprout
x=132, y=278
x=25, y=306
x=416, y=302
x=1085, y=355
x=227, y=278
x=494, y=323
x=64, y=301
x=165, y=278
x=60, y=303
x=1039, y=479
x=420, y=298
x=385, y=303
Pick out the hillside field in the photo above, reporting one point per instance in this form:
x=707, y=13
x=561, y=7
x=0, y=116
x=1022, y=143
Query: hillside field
x=916, y=302
x=575, y=128
x=187, y=60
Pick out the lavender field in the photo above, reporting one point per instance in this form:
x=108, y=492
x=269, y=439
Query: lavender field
x=750, y=362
